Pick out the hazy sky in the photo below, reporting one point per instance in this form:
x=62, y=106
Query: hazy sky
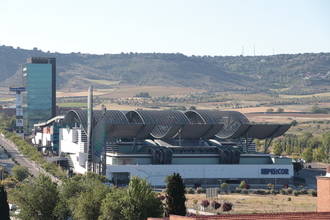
x=200, y=27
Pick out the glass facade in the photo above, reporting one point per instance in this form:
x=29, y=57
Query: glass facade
x=39, y=94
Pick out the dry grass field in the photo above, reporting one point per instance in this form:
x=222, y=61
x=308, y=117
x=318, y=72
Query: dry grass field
x=131, y=91
x=261, y=203
x=154, y=91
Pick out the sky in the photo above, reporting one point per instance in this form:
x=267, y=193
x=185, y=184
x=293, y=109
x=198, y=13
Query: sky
x=191, y=27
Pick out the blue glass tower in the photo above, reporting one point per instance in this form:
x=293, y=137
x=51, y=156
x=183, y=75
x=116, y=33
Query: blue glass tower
x=40, y=83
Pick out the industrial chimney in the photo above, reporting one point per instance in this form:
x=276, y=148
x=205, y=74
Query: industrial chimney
x=90, y=166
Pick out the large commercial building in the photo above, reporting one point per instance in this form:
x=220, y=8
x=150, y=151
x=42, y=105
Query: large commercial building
x=204, y=146
x=39, y=75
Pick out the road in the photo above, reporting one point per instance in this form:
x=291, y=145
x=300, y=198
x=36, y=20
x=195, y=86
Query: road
x=34, y=168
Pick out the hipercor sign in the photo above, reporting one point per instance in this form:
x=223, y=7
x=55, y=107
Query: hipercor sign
x=274, y=171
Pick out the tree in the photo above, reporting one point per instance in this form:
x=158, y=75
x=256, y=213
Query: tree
x=308, y=154
x=140, y=201
x=277, y=149
x=175, y=195
x=87, y=205
x=111, y=206
x=319, y=154
x=20, y=173
x=4, y=207
x=326, y=142
x=37, y=199
x=81, y=196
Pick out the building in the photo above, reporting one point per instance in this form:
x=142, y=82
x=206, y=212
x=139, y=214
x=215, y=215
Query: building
x=323, y=209
x=204, y=146
x=323, y=192
x=39, y=76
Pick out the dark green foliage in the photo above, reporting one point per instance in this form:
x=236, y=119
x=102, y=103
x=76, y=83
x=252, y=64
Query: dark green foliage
x=313, y=193
x=175, y=195
x=37, y=199
x=306, y=145
x=143, y=95
x=111, y=208
x=137, y=202
x=81, y=196
x=308, y=154
x=20, y=173
x=4, y=207
x=295, y=192
x=140, y=202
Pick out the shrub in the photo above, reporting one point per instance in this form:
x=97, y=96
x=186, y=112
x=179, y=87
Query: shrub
x=270, y=186
x=242, y=185
x=295, y=193
x=205, y=203
x=289, y=199
x=303, y=192
x=224, y=187
x=200, y=190
x=190, y=191
x=215, y=205
x=260, y=192
x=20, y=173
x=283, y=191
x=273, y=192
x=238, y=190
x=313, y=193
x=245, y=191
x=227, y=206
x=289, y=190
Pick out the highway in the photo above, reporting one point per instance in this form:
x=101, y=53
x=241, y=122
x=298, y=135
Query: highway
x=34, y=168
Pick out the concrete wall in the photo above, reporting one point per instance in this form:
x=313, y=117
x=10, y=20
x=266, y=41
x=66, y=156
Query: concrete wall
x=156, y=174
x=66, y=144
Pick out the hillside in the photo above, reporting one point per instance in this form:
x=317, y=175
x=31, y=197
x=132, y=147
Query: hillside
x=291, y=74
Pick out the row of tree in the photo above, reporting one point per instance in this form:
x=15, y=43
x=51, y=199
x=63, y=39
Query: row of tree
x=310, y=147
x=89, y=197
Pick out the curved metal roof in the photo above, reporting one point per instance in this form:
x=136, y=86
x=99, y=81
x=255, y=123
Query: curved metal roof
x=192, y=124
x=201, y=124
x=261, y=131
x=79, y=117
x=162, y=124
x=234, y=122
x=118, y=126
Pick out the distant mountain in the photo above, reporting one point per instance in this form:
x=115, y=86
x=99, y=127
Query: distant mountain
x=289, y=73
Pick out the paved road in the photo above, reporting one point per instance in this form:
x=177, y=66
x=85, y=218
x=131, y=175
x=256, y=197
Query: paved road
x=34, y=168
